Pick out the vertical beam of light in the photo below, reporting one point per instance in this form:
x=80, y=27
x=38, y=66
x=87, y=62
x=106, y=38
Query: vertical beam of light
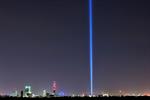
x=91, y=45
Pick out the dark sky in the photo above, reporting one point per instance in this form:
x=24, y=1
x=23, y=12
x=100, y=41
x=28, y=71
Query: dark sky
x=48, y=40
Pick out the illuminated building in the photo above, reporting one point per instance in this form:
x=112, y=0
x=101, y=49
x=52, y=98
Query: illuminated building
x=105, y=95
x=14, y=94
x=28, y=92
x=61, y=93
x=44, y=93
x=54, y=88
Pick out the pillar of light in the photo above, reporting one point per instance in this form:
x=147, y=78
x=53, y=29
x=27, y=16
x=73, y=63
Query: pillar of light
x=91, y=45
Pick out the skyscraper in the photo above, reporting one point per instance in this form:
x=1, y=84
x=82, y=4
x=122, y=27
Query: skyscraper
x=44, y=93
x=28, y=92
x=21, y=94
x=54, y=88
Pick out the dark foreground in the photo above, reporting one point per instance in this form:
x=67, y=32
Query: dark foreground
x=79, y=98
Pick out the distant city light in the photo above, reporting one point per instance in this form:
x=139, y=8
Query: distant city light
x=61, y=93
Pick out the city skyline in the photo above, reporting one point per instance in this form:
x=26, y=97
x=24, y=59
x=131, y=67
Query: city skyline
x=46, y=40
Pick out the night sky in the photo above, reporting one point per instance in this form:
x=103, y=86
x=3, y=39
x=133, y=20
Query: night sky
x=42, y=41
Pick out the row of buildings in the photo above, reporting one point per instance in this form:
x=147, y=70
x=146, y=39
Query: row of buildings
x=27, y=92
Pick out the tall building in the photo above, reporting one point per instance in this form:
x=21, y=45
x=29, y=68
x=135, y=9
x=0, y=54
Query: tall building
x=28, y=92
x=44, y=93
x=21, y=94
x=54, y=88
